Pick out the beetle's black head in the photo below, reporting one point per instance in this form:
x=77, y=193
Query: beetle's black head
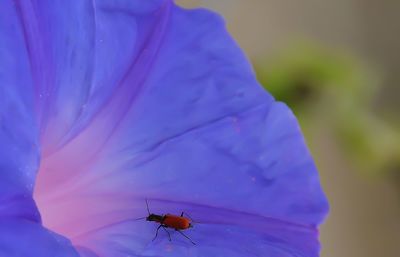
x=154, y=217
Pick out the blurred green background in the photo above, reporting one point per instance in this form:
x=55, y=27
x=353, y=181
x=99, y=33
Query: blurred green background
x=337, y=65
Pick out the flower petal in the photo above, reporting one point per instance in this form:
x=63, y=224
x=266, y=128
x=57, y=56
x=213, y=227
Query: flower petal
x=229, y=234
x=135, y=101
x=20, y=237
x=21, y=233
x=77, y=71
x=19, y=149
x=245, y=178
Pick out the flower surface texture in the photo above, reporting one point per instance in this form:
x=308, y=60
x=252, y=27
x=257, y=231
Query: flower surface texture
x=106, y=103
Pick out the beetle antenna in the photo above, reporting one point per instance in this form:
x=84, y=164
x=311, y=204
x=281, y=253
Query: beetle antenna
x=140, y=218
x=191, y=218
x=147, y=205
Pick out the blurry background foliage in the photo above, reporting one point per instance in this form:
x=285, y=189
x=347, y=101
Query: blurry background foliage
x=323, y=85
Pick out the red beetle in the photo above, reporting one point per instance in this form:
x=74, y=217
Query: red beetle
x=170, y=221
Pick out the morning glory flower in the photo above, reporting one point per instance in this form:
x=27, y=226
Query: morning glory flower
x=106, y=103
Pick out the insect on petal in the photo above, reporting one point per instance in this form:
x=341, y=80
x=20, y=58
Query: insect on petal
x=107, y=103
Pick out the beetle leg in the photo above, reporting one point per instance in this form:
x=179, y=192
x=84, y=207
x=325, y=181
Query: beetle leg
x=169, y=235
x=184, y=213
x=185, y=236
x=157, y=232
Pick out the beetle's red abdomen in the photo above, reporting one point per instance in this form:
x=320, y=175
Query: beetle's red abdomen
x=176, y=222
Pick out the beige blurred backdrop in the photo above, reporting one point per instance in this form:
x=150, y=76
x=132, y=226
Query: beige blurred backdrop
x=365, y=210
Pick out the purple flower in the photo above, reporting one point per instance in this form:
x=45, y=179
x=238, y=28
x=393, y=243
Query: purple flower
x=105, y=103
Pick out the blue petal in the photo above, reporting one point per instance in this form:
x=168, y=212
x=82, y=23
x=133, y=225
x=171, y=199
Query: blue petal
x=76, y=69
x=18, y=141
x=21, y=233
x=19, y=237
x=247, y=179
x=223, y=233
x=132, y=100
